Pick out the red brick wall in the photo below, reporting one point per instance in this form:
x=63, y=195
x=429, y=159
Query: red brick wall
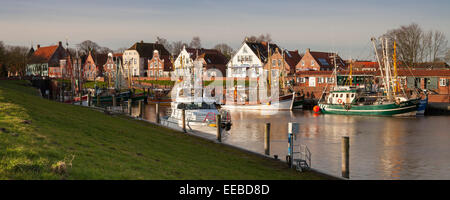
x=307, y=58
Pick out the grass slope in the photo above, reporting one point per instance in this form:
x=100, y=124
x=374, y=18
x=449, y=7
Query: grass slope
x=36, y=133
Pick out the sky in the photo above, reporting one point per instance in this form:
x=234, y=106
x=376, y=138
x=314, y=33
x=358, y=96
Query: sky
x=344, y=26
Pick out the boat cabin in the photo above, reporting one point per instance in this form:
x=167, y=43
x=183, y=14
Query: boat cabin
x=342, y=97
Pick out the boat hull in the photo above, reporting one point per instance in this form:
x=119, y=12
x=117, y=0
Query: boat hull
x=407, y=108
x=285, y=103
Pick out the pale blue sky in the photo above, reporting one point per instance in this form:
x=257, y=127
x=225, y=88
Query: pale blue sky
x=344, y=26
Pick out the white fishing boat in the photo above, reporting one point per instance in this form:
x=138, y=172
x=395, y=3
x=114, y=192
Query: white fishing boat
x=199, y=108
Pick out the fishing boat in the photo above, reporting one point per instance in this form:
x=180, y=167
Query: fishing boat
x=423, y=104
x=123, y=96
x=357, y=100
x=199, y=109
x=282, y=98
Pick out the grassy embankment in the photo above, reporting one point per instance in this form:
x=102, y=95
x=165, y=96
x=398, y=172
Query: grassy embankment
x=36, y=134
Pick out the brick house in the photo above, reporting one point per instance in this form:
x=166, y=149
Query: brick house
x=45, y=61
x=109, y=68
x=159, y=65
x=319, y=61
x=93, y=66
x=286, y=59
x=136, y=57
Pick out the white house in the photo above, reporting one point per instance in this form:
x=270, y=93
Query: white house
x=249, y=59
x=135, y=59
x=184, y=63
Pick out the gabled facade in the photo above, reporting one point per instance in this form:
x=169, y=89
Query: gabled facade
x=320, y=61
x=249, y=60
x=135, y=59
x=45, y=59
x=110, y=66
x=159, y=66
x=283, y=61
x=184, y=64
x=89, y=68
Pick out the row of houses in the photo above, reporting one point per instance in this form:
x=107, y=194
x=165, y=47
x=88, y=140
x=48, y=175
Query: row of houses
x=308, y=72
x=152, y=60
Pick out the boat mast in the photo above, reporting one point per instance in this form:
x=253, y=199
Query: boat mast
x=378, y=59
x=394, y=60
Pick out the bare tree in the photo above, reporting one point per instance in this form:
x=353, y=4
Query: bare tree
x=425, y=49
x=447, y=56
x=224, y=49
x=260, y=38
x=88, y=46
x=177, y=46
x=165, y=43
x=17, y=59
x=195, y=43
x=121, y=50
x=439, y=44
x=408, y=40
x=104, y=50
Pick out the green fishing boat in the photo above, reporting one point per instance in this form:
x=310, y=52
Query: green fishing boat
x=124, y=96
x=390, y=100
x=356, y=101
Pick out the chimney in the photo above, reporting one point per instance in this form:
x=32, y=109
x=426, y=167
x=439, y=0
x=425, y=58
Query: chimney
x=60, y=43
x=142, y=41
x=307, y=50
x=38, y=46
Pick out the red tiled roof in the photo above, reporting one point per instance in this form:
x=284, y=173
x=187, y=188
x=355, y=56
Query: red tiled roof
x=45, y=52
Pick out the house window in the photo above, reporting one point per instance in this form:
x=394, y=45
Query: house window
x=274, y=62
x=279, y=62
x=312, y=81
x=303, y=63
x=312, y=62
x=320, y=80
x=151, y=73
x=301, y=80
x=442, y=82
x=330, y=80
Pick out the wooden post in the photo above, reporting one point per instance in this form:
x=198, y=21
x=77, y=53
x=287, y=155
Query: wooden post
x=129, y=106
x=81, y=98
x=140, y=109
x=157, y=113
x=293, y=129
x=71, y=97
x=114, y=101
x=143, y=109
x=98, y=100
x=345, y=157
x=267, y=139
x=183, y=119
x=89, y=99
x=218, y=123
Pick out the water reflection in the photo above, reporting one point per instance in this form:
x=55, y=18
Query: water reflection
x=380, y=147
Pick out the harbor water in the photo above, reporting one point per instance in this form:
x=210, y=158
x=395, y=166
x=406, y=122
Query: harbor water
x=380, y=147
